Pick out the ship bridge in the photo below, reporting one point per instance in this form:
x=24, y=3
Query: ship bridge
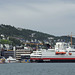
x=61, y=46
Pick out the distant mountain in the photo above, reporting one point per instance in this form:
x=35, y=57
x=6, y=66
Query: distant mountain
x=27, y=34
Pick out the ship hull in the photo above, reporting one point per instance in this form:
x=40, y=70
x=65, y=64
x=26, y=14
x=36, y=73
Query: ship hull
x=48, y=60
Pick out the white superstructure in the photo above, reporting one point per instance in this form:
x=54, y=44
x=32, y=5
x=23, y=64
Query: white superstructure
x=62, y=51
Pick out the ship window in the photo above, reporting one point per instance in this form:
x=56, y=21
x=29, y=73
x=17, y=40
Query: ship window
x=71, y=51
x=33, y=56
x=37, y=56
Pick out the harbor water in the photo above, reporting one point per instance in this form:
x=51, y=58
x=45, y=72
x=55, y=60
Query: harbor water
x=37, y=69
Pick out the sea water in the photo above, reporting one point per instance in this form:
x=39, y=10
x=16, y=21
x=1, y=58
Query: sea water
x=37, y=69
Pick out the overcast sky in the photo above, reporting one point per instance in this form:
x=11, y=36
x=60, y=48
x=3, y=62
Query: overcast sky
x=55, y=17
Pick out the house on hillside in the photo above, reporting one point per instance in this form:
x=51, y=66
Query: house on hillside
x=6, y=47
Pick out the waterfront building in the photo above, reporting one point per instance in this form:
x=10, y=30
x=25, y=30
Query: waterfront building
x=8, y=53
x=19, y=52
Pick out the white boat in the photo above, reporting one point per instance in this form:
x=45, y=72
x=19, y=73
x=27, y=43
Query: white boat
x=61, y=53
x=11, y=60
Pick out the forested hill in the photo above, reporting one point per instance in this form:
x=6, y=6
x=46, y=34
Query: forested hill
x=27, y=34
x=22, y=33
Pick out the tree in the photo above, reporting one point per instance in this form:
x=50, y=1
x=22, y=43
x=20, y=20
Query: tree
x=5, y=41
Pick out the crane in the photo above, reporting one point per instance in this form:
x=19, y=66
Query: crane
x=71, y=37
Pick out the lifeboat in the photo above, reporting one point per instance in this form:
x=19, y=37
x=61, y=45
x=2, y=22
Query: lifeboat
x=60, y=52
x=70, y=53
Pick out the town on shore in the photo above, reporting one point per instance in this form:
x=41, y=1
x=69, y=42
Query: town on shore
x=14, y=46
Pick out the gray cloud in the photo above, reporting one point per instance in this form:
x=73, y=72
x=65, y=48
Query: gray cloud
x=55, y=17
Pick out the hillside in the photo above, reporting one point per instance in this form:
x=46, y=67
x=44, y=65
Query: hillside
x=22, y=33
x=27, y=34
